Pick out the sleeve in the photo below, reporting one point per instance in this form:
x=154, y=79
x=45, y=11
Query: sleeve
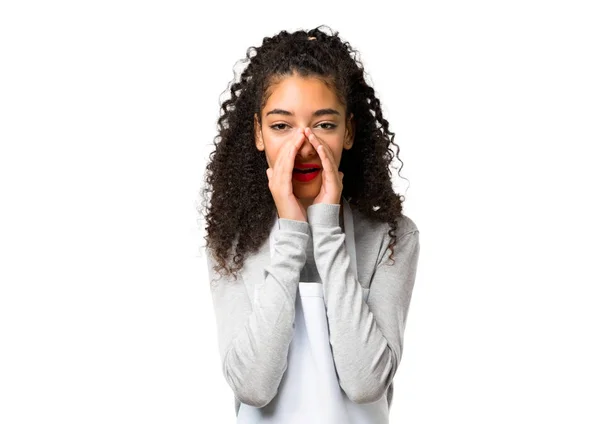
x=254, y=334
x=366, y=337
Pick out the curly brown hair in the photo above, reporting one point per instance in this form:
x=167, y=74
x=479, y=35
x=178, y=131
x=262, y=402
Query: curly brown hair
x=236, y=171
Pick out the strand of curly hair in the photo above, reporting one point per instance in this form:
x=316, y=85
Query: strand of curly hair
x=242, y=209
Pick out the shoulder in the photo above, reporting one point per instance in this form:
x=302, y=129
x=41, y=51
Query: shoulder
x=372, y=240
x=404, y=225
x=374, y=236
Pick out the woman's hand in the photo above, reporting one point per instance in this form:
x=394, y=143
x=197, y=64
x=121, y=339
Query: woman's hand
x=280, y=180
x=331, y=178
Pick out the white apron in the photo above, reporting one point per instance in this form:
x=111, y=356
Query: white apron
x=309, y=392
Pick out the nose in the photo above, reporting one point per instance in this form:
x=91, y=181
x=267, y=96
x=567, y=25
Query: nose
x=307, y=150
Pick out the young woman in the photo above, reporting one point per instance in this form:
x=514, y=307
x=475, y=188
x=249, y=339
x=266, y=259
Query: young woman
x=316, y=262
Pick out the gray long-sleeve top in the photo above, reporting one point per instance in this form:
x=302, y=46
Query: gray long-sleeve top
x=255, y=328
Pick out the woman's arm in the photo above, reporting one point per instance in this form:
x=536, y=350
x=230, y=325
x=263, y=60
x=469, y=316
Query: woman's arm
x=254, y=335
x=366, y=337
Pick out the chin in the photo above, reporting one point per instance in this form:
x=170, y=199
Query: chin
x=304, y=197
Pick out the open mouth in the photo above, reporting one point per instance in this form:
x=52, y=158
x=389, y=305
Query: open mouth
x=305, y=175
x=306, y=171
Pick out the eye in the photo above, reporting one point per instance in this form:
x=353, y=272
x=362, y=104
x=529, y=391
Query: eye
x=331, y=127
x=276, y=127
x=324, y=125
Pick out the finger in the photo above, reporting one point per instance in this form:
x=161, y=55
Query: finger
x=324, y=163
x=326, y=158
x=327, y=167
x=316, y=142
x=282, y=156
x=286, y=159
x=293, y=149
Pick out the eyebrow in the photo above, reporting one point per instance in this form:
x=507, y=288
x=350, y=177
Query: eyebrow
x=319, y=112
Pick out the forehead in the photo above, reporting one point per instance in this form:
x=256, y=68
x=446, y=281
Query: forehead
x=301, y=95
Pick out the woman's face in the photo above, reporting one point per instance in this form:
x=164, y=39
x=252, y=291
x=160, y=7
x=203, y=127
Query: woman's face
x=295, y=103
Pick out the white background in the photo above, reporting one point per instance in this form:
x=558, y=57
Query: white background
x=107, y=114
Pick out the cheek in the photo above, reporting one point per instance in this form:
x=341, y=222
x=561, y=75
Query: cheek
x=272, y=152
x=336, y=148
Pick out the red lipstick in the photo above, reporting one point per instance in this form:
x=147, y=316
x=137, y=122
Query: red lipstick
x=304, y=172
x=306, y=165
